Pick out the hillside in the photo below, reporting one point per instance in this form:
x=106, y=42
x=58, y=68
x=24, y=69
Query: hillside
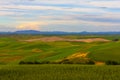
x=14, y=49
x=106, y=52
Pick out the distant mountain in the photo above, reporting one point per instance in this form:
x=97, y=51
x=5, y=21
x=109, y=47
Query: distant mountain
x=56, y=32
x=39, y=32
x=27, y=32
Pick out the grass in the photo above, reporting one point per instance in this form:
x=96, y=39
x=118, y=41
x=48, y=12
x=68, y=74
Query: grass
x=13, y=50
x=31, y=51
x=12, y=47
x=106, y=52
x=59, y=72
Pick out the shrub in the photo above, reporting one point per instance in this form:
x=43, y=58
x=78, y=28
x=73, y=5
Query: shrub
x=22, y=62
x=112, y=63
x=36, y=62
x=90, y=62
x=45, y=62
x=66, y=61
x=29, y=62
x=116, y=40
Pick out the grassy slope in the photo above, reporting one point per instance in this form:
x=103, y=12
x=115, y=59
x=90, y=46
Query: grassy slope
x=12, y=50
x=105, y=52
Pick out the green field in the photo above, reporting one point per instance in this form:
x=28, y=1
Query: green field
x=59, y=60
x=59, y=72
x=14, y=49
x=105, y=52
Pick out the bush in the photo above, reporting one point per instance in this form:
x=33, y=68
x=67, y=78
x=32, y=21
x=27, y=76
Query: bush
x=21, y=62
x=90, y=62
x=36, y=62
x=112, y=63
x=45, y=62
x=28, y=62
x=116, y=40
x=66, y=61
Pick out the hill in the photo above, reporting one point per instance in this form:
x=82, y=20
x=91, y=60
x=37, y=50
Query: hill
x=106, y=52
x=14, y=49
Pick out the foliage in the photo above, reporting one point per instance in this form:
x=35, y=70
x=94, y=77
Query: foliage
x=112, y=63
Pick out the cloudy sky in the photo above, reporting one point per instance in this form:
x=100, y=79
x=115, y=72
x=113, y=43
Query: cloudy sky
x=60, y=15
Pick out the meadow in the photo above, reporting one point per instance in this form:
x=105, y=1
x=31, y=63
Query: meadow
x=59, y=72
x=59, y=57
x=41, y=48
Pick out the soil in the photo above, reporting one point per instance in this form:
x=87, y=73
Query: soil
x=55, y=38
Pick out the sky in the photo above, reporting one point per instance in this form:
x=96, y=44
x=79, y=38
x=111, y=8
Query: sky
x=60, y=15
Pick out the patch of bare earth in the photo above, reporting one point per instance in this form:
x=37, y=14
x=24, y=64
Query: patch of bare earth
x=77, y=58
x=55, y=38
x=77, y=55
x=99, y=63
x=10, y=59
x=90, y=40
x=47, y=39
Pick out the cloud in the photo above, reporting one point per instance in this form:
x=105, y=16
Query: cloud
x=55, y=8
x=30, y=26
x=3, y=13
x=6, y=28
x=35, y=14
x=107, y=4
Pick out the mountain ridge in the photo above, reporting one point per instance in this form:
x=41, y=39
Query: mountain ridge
x=56, y=32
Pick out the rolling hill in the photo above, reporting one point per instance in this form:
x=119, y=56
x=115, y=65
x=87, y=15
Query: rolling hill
x=14, y=49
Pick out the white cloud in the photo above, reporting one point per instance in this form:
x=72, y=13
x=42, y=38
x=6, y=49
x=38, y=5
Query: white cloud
x=107, y=4
x=30, y=26
x=26, y=7
x=35, y=14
